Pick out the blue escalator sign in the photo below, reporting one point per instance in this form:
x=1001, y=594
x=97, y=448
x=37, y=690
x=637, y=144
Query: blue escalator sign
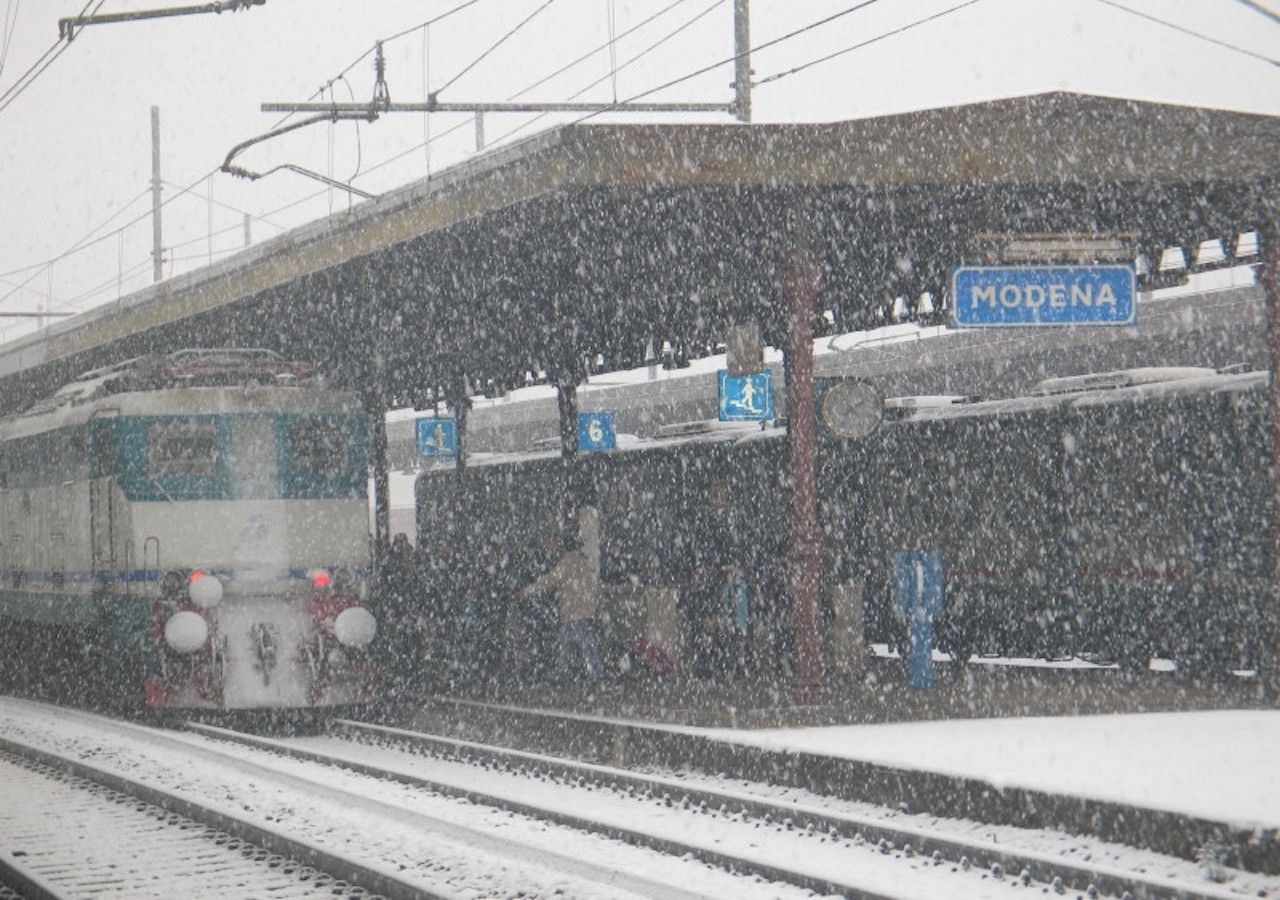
x=746, y=398
x=437, y=436
x=1006, y=296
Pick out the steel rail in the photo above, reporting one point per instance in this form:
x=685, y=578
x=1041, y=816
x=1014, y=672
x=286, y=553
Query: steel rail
x=1028, y=866
x=728, y=861
x=485, y=841
x=352, y=871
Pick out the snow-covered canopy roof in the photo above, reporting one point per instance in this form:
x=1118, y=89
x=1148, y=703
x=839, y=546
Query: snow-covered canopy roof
x=602, y=241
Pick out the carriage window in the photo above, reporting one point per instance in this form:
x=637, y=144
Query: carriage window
x=318, y=446
x=182, y=448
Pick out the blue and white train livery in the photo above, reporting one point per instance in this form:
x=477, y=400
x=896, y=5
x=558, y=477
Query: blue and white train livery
x=193, y=527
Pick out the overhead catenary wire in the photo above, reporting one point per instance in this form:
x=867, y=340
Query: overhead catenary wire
x=226, y=206
x=817, y=23
x=868, y=42
x=48, y=58
x=670, y=35
x=1191, y=32
x=369, y=52
x=494, y=46
x=84, y=243
x=1261, y=10
x=593, y=51
x=10, y=26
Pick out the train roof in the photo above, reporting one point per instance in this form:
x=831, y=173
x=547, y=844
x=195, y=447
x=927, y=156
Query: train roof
x=184, y=369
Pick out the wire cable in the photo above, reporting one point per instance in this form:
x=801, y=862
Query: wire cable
x=635, y=58
x=590, y=53
x=1261, y=10
x=861, y=44
x=498, y=43
x=366, y=54
x=1192, y=33
x=226, y=206
x=27, y=78
x=84, y=243
x=729, y=59
x=10, y=26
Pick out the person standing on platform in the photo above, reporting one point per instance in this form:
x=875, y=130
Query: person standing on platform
x=576, y=584
x=399, y=604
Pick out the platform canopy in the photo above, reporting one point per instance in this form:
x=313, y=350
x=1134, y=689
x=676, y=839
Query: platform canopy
x=593, y=244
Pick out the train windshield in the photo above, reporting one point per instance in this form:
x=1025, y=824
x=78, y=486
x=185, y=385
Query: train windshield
x=182, y=448
x=319, y=446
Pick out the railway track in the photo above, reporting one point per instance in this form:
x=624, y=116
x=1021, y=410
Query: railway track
x=681, y=817
x=391, y=843
x=160, y=845
x=371, y=810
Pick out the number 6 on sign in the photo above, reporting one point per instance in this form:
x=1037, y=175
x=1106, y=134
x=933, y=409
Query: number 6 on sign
x=595, y=431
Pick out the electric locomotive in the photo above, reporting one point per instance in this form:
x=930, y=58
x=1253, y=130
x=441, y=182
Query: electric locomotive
x=190, y=530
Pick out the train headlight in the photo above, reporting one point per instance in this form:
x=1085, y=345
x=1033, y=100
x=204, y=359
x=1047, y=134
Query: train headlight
x=205, y=590
x=186, y=632
x=355, y=626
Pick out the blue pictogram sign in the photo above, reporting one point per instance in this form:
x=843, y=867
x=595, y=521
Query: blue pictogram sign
x=437, y=436
x=1005, y=296
x=595, y=431
x=918, y=599
x=746, y=398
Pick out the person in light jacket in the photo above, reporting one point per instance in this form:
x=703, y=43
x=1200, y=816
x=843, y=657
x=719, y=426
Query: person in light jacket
x=575, y=580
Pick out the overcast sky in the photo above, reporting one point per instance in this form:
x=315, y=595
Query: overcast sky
x=75, y=146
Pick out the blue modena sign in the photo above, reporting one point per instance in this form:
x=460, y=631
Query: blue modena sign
x=596, y=432
x=437, y=436
x=1005, y=296
x=746, y=398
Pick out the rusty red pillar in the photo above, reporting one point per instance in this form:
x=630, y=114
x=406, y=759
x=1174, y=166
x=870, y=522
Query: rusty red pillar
x=801, y=287
x=1269, y=276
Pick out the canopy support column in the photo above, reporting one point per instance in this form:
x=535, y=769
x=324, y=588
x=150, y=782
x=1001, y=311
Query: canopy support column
x=1269, y=276
x=460, y=404
x=801, y=286
x=567, y=398
x=375, y=409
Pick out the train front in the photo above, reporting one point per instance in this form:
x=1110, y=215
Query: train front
x=245, y=519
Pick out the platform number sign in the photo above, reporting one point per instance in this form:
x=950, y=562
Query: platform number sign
x=437, y=436
x=596, y=432
x=746, y=398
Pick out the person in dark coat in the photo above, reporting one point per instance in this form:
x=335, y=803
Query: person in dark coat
x=399, y=598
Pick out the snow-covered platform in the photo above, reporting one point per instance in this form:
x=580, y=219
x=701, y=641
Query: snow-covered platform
x=1219, y=765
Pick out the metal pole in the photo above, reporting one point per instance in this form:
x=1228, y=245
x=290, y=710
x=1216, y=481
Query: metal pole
x=479, y=131
x=461, y=407
x=381, y=481
x=802, y=427
x=156, y=254
x=742, y=60
x=1269, y=276
x=248, y=230
x=567, y=398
